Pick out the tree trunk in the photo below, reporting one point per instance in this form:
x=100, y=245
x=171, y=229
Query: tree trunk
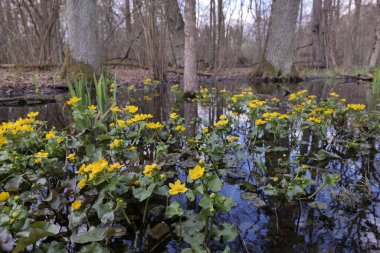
x=190, y=71
x=280, y=39
x=375, y=52
x=355, y=34
x=318, y=32
x=177, y=33
x=83, y=56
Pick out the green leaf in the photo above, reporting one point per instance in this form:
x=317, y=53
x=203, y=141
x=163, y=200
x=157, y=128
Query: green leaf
x=228, y=232
x=215, y=184
x=94, y=247
x=142, y=194
x=14, y=183
x=174, y=209
x=77, y=218
x=205, y=202
x=35, y=232
x=94, y=234
x=318, y=205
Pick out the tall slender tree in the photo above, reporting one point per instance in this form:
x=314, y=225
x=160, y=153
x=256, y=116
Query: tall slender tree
x=190, y=71
x=375, y=52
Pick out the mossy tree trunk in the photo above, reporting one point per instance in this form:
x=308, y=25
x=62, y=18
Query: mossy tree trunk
x=279, y=45
x=83, y=53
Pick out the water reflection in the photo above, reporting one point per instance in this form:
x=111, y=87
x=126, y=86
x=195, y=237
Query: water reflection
x=296, y=228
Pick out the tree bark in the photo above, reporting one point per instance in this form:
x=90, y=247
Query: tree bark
x=318, y=33
x=375, y=52
x=177, y=32
x=83, y=56
x=280, y=39
x=355, y=34
x=190, y=71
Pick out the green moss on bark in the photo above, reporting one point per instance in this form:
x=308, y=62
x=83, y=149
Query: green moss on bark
x=72, y=68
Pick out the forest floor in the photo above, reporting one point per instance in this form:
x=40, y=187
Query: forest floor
x=24, y=79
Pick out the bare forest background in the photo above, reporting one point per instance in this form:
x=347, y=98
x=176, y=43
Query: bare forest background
x=229, y=33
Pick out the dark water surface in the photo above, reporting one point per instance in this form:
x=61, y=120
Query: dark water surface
x=350, y=224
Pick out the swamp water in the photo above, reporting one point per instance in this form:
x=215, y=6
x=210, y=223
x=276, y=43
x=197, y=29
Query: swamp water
x=351, y=221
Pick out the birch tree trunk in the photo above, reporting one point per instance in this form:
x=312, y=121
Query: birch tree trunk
x=279, y=44
x=376, y=47
x=83, y=56
x=190, y=71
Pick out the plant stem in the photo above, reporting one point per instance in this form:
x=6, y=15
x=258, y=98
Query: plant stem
x=145, y=210
x=206, y=230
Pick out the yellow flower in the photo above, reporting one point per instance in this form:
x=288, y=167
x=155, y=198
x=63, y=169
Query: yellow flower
x=115, y=166
x=334, y=94
x=4, y=196
x=131, y=108
x=156, y=125
x=343, y=100
x=180, y=128
x=116, y=109
x=270, y=115
x=37, y=161
x=149, y=169
x=3, y=140
x=132, y=148
x=41, y=155
x=221, y=123
x=32, y=114
x=177, y=188
x=71, y=156
x=76, y=205
x=255, y=103
x=283, y=116
x=137, y=182
x=205, y=130
x=115, y=143
x=355, y=107
x=328, y=111
x=82, y=182
x=259, y=122
x=276, y=100
x=73, y=101
x=223, y=91
x=232, y=138
x=59, y=139
x=174, y=115
x=121, y=123
x=92, y=107
x=315, y=120
x=197, y=172
x=49, y=135
x=223, y=117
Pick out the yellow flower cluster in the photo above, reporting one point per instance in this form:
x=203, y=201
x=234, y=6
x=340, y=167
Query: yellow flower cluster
x=115, y=143
x=131, y=108
x=256, y=103
x=135, y=119
x=92, y=107
x=3, y=140
x=334, y=94
x=93, y=169
x=232, y=138
x=21, y=125
x=296, y=95
x=259, y=122
x=270, y=115
x=152, y=125
x=314, y=119
x=355, y=107
x=222, y=121
x=71, y=157
x=180, y=128
x=116, y=109
x=174, y=115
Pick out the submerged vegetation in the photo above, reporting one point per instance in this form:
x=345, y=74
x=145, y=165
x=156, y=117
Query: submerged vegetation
x=117, y=176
